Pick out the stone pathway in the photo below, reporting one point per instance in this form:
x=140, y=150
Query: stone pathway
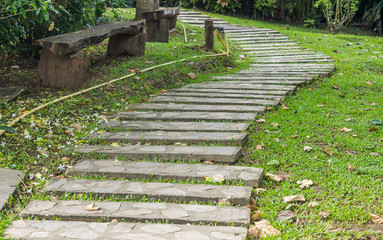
x=9, y=180
x=206, y=122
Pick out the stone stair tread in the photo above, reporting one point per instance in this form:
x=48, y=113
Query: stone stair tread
x=197, y=108
x=9, y=180
x=231, y=91
x=66, y=230
x=227, y=154
x=188, y=116
x=177, y=126
x=250, y=176
x=213, y=101
x=273, y=82
x=244, y=86
x=258, y=76
x=138, y=211
x=170, y=192
x=225, y=95
x=173, y=137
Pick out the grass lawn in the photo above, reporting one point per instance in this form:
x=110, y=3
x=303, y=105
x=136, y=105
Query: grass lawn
x=351, y=99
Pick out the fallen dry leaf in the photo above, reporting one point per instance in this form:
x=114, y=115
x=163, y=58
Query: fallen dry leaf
x=340, y=74
x=258, y=190
x=92, y=207
x=286, y=215
x=114, y=221
x=261, y=120
x=275, y=124
x=69, y=132
x=260, y=146
x=251, y=207
x=256, y=215
x=224, y=201
x=369, y=83
x=345, y=129
x=285, y=107
x=372, y=104
x=295, y=198
x=372, y=129
x=325, y=213
x=208, y=162
x=65, y=159
x=42, y=151
x=335, y=87
x=315, y=157
x=333, y=228
x=76, y=126
x=294, y=136
x=350, y=167
x=307, y=149
x=215, y=178
x=192, y=76
x=376, y=219
x=263, y=228
x=305, y=183
x=279, y=177
x=328, y=151
x=313, y=204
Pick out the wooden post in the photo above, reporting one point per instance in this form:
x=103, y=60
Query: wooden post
x=209, y=34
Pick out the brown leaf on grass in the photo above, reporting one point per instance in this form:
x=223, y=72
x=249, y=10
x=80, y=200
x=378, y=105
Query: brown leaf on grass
x=263, y=228
x=261, y=120
x=69, y=132
x=325, y=213
x=114, y=221
x=333, y=228
x=372, y=129
x=92, y=207
x=346, y=130
x=279, y=177
x=65, y=159
x=328, y=151
x=294, y=136
x=260, y=146
x=192, y=76
x=315, y=157
x=76, y=126
x=369, y=83
x=286, y=215
x=256, y=215
x=253, y=205
x=335, y=87
x=208, y=162
x=258, y=190
x=372, y=104
x=340, y=74
x=305, y=183
x=350, y=167
x=42, y=151
x=376, y=219
x=313, y=204
x=285, y=107
x=295, y=198
x=224, y=201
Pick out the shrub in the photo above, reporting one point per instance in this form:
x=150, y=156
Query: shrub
x=338, y=13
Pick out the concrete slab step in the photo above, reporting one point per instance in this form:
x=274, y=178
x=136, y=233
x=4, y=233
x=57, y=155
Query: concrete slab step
x=293, y=60
x=197, y=21
x=302, y=76
x=241, y=86
x=172, y=137
x=231, y=91
x=197, y=108
x=170, y=192
x=293, y=65
x=59, y=230
x=214, y=101
x=274, y=82
x=251, y=49
x=9, y=180
x=250, y=176
x=138, y=212
x=177, y=126
x=220, y=95
x=224, y=154
x=188, y=116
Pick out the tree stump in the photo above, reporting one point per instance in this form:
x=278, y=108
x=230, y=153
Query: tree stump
x=146, y=6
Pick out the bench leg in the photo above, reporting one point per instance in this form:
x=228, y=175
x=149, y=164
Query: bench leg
x=158, y=30
x=172, y=22
x=131, y=45
x=164, y=31
x=61, y=71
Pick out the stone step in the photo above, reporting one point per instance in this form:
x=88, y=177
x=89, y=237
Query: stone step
x=293, y=55
x=258, y=37
x=138, y=212
x=172, y=137
x=301, y=57
x=258, y=76
x=59, y=230
x=251, y=49
x=282, y=53
x=171, y=192
x=193, y=16
x=213, y=101
x=287, y=70
x=225, y=154
x=244, y=86
x=220, y=95
x=249, y=176
x=294, y=65
x=231, y=91
x=249, y=31
x=9, y=180
x=187, y=116
x=200, y=22
x=293, y=60
x=254, y=45
x=185, y=12
x=251, y=34
x=274, y=82
x=177, y=126
x=197, y=108
x=253, y=53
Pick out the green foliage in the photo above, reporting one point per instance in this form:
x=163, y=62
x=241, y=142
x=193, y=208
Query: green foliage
x=219, y=6
x=7, y=129
x=24, y=21
x=338, y=13
x=373, y=15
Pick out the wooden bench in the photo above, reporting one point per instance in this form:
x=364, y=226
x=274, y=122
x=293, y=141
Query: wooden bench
x=159, y=22
x=61, y=64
